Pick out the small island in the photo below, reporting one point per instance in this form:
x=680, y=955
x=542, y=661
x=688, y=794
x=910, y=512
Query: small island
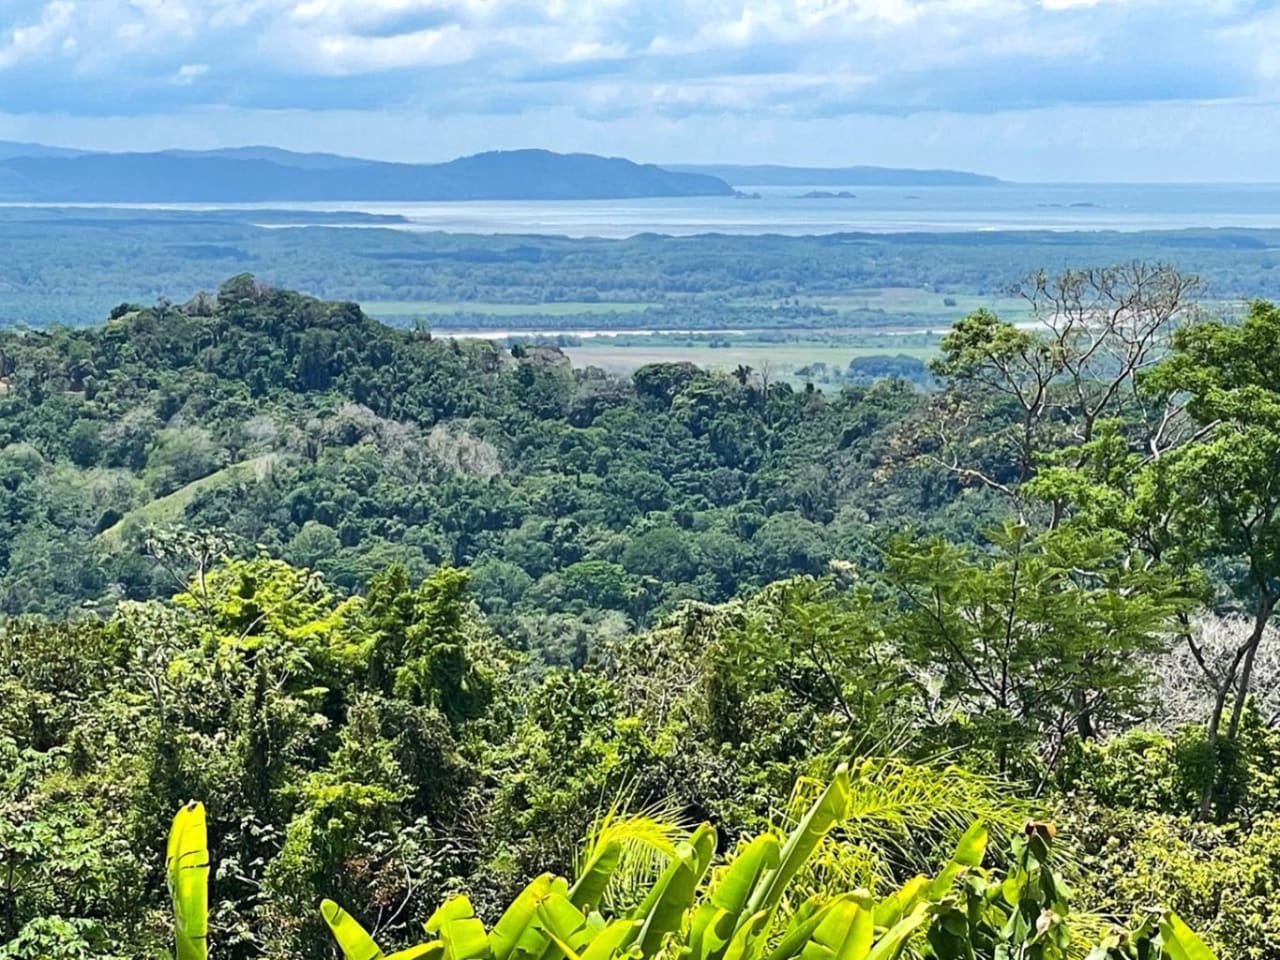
x=828, y=195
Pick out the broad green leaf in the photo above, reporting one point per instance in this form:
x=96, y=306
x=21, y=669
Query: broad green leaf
x=893, y=907
x=561, y=919
x=972, y=846
x=422, y=951
x=969, y=853
x=1179, y=942
x=827, y=811
x=558, y=942
x=721, y=915
x=800, y=933
x=464, y=939
x=830, y=932
x=354, y=941
x=455, y=908
x=746, y=939
x=663, y=910
x=647, y=836
x=514, y=933
x=861, y=933
x=890, y=945
x=609, y=942
x=596, y=873
x=187, y=868
x=739, y=881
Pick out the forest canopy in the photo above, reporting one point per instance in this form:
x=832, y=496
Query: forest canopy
x=411, y=616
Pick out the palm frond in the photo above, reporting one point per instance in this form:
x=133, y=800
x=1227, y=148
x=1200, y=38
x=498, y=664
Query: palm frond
x=643, y=843
x=901, y=817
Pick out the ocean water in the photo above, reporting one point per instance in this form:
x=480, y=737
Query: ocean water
x=1121, y=207
x=782, y=210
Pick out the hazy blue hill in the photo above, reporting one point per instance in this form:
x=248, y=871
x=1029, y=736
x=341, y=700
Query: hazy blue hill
x=285, y=158
x=769, y=175
x=262, y=174
x=13, y=148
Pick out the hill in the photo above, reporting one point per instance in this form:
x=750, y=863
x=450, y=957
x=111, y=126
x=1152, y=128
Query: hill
x=770, y=175
x=258, y=174
x=14, y=148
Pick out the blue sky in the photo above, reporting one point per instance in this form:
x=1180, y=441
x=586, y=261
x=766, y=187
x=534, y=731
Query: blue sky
x=1026, y=89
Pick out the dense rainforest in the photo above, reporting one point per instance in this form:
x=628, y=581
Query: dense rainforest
x=415, y=616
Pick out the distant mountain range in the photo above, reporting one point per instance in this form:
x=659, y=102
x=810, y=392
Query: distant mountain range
x=32, y=172
x=767, y=175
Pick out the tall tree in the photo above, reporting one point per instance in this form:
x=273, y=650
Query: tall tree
x=1221, y=495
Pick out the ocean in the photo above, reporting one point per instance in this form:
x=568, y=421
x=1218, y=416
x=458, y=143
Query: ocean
x=1120, y=207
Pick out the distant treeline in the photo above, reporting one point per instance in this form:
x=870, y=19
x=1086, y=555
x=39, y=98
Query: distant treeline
x=71, y=269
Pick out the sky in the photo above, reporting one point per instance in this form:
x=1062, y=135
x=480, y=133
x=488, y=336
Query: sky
x=1032, y=90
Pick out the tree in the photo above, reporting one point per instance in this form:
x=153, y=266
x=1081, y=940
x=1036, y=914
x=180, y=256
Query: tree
x=1054, y=381
x=1220, y=496
x=1036, y=641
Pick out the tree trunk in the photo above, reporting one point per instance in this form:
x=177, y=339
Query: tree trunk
x=1266, y=604
x=1084, y=716
x=1240, y=683
x=1211, y=741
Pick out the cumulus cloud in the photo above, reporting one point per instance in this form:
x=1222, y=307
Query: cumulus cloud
x=646, y=63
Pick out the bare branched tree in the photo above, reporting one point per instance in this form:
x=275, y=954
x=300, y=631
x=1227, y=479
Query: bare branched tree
x=1076, y=361
x=1199, y=670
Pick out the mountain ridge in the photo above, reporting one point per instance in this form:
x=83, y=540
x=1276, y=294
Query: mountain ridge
x=34, y=172
x=264, y=174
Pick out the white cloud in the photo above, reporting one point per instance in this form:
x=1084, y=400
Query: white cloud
x=190, y=72
x=46, y=34
x=746, y=70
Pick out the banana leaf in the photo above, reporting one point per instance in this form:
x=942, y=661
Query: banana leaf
x=845, y=930
x=663, y=910
x=969, y=853
x=356, y=943
x=804, y=924
x=1179, y=942
x=516, y=934
x=596, y=873
x=895, y=906
x=609, y=942
x=462, y=934
x=721, y=915
x=187, y=868
x=826, y=812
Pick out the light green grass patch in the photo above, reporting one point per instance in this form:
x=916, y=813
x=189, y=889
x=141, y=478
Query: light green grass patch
x=913, y=303
x=170, y=508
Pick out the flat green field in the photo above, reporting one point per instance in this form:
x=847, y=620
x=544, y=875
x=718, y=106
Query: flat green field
x=783, y=358
x=426, y=308
x=913, y=303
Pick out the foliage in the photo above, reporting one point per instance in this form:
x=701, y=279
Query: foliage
x=439, y=609
x=748, y=910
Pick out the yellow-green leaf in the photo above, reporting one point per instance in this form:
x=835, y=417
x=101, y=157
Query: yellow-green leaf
x=354, y=941
x=1180, y=942
x=187, y=868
